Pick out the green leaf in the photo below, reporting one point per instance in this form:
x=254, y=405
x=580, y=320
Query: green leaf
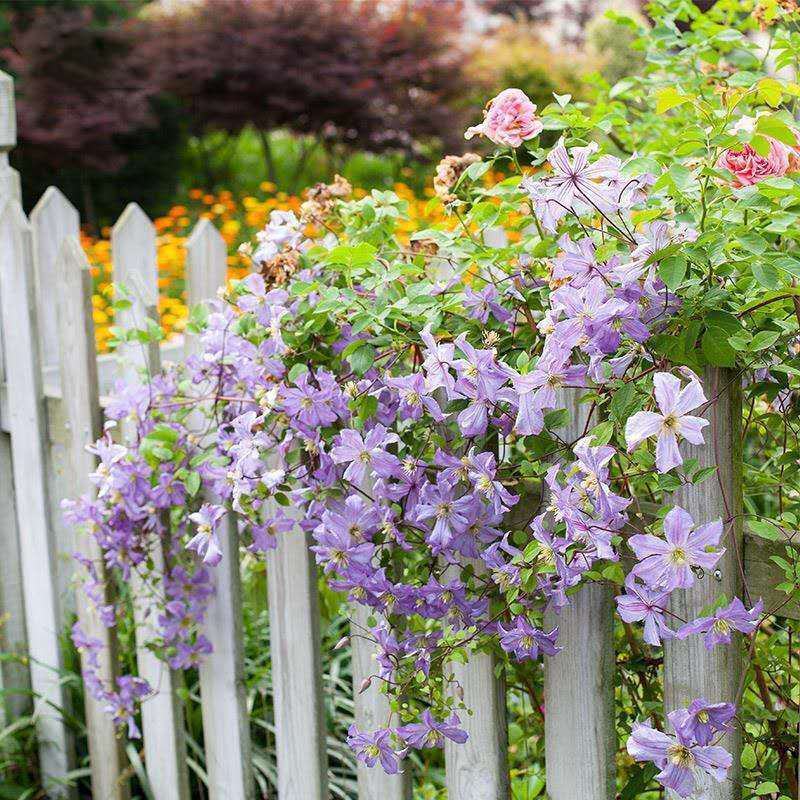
x=716, y=348
x=767, y=787
x=764, y=529
x=623, y=403
x=771, y=125
x=764, y=339
x=766, y=274
x=770, y=91
x=192, y=483
x=748, y=757
x=360, y=255
x=669, y=98
x=672, y=271
x=362, y=358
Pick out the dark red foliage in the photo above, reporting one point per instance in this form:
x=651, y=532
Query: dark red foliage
x=344, y=70
x=80, y=87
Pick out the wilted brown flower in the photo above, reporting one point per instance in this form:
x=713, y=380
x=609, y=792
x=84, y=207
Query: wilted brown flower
x=448, y=171
x=279, y=269
x=766, y=14
x=321, y=198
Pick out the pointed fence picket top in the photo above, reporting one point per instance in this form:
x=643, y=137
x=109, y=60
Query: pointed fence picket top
x=72, y=287
x=690, y=670
x=226, y=730
x=28, y=440
x=478, y=769
x=53, y=219
x=133, y=249
x=14, y=676
x=296, y=665
x=9, y=177
x=580, y=738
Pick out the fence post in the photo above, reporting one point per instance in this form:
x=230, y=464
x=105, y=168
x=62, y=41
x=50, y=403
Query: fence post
x=296, y=666
x=53, y=219
x=133, y=247
x=691, y=671
x=226, y=728
x=580, y=737
x=83, y=420
x=28, y=441
x=14, y=676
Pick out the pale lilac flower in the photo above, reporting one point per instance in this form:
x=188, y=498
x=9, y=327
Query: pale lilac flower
x=684, y=764
x=367, y=452
x=674, y=420
x=575, y=184
x=525, y=642
x=640, y=604
x=205, y=542
x=371, y=748
x=701, y=720
x=480, y=304
x=431, y=733
x=668, y=563
x=719, y=627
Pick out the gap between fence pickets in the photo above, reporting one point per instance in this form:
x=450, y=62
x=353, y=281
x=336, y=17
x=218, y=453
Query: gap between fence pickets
x=28, y=442
x=226, y=727
x=70, y=276
x=133, y=248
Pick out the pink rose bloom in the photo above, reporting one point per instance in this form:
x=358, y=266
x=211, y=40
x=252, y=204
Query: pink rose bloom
x=748, y=167
x=510, y=119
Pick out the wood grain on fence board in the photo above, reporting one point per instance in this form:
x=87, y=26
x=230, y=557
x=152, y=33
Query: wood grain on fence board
x=14, y=675
x=226, y=732
x=690, y=670
x=133, y=249
x=478, y=769
x=54, y=219
x=580, y=739
x=296, y=667
x=83, y=422
x=28, y=438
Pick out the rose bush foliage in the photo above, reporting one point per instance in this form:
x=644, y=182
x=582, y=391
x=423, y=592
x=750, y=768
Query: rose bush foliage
x=406, y=404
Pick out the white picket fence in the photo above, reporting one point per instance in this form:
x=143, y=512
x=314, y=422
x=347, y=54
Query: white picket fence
x=51, y=402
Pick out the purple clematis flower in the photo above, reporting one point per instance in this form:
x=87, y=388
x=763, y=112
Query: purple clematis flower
x=480, y=304
x=667, y=563
x=430, y=733
x=719, y=627
x=701, y=720
x=205, y=542
x=640, y=604
x=359, y=453
x=437, y=363
x=673, y=420
x=685, y=765
x=370, y=748
x=525, y=642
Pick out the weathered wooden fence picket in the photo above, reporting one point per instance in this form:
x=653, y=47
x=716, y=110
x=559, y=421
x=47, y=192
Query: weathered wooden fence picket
x=52, y=386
